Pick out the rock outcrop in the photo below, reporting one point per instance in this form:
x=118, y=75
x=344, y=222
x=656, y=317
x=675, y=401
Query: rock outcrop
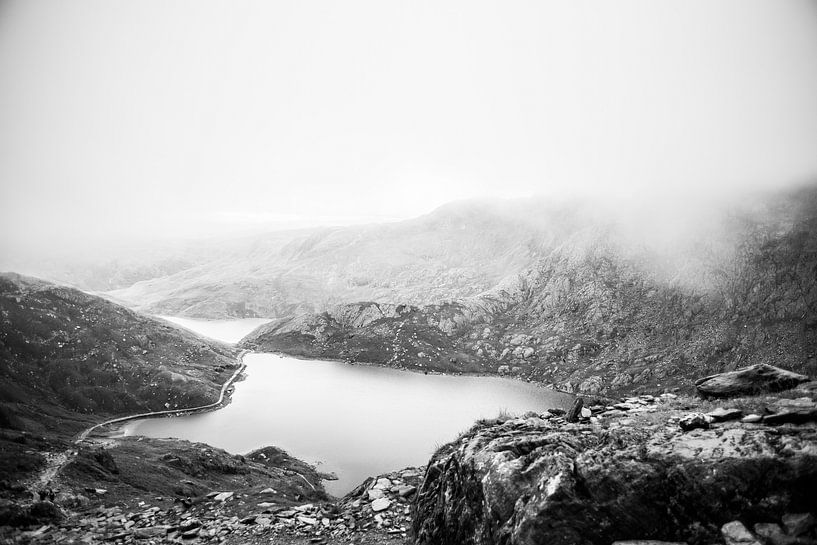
x=755, y=379
x=624, y=474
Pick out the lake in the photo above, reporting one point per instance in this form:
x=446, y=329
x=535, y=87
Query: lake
x=227, y=331
x=353, y=420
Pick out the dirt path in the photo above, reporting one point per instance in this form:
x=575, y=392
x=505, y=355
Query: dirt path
x=174, y=412
x=55, y=461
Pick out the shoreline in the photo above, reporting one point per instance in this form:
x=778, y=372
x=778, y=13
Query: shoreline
x=436, y=372
x=223, y=399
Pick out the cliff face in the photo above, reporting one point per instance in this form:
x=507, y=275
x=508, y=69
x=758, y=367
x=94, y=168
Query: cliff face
x=599, y=314
x=625, y=473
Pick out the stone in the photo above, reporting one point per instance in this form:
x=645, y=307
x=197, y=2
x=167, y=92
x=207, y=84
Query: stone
x=223, y=496
x=735, y=533
x=406, y=491
x=375, y=493
x=189, y=524
x=149, y=532
x=798, y=524
x=772, y=533
x=381, y=504
x=791, y=417
x=751, y=419
x=586, y=413
x=755, y=379
x=575, y=410
x=695, y=420
x=307, y=520
x=513, y=483
x=268, y=491
x=382, y=484
x=722, y=415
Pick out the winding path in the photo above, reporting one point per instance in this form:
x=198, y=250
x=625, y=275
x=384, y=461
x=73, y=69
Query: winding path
x=172, y=412
x=55, y=461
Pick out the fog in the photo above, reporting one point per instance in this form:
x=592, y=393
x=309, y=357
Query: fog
x=134, y=121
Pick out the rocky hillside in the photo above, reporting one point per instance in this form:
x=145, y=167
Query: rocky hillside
x=65, y=354
x=600, y=311
x=459, y=250
x=640, y=470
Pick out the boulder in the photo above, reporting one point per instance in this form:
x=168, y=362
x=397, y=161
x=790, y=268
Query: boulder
x=695, y=420
x=791, y=417
x=750, y=380
x=798, y=524
x=406, y=491
x=735, y=533
x=575, y=411
x=381, y=504
x=722, y=415
x=375, y=493
x=772, y=533
x=538, y=482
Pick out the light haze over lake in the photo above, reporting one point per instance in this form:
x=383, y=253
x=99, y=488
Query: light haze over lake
x=354, y=420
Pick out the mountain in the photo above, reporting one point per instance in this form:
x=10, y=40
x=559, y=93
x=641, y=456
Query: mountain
x=604, y=308
x=67, y=358
x=459, y=250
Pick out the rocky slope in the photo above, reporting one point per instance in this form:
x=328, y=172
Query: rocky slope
x=60, y=347
x=644, y=469
x=68, y=359
x=598, y=313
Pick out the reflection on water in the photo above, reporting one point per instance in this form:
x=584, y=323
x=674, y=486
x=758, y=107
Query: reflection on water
x=228, y=331
x=353, y=420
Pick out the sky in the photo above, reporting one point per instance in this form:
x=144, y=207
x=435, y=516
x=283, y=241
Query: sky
x=162, y=118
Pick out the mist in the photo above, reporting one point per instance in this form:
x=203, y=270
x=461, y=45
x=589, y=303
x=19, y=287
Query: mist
x=145, y=121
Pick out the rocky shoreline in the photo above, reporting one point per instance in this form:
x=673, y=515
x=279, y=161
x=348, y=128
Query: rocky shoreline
x=645, y=469
x=648, y=469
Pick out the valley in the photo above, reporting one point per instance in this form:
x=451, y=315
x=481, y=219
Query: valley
x=442, y=368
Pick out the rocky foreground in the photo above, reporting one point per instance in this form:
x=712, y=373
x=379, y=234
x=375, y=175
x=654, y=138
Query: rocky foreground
x=671, y=469
x=376, y=511
x=643, y=470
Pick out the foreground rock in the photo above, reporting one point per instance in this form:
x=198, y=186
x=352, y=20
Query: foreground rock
x=750, y=380
x=630, y=472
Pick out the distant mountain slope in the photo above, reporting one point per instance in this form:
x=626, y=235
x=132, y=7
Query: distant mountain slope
x=599, y=312
x=457, y=251
x=64, y=353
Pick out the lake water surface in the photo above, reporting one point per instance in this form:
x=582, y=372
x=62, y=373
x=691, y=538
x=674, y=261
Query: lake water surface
x=354, y=420
x=228, y=331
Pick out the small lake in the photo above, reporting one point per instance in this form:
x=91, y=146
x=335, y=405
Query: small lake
x=227, y=331
x=353, y=420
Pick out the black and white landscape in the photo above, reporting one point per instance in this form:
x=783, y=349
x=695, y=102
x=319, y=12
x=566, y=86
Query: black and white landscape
x=427, y=273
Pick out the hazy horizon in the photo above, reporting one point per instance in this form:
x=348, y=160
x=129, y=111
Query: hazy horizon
x=163, y=120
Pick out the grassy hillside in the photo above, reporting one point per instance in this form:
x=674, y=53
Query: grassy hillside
x=64, y=354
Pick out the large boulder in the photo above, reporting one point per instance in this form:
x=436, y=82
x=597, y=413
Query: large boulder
x=528, y=481
x=750, y=380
